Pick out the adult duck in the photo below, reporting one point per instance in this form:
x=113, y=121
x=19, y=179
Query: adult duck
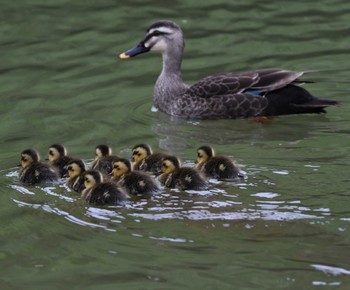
x=262, y=92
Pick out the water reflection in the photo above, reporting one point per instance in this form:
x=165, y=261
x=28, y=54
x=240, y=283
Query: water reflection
x=175, y=134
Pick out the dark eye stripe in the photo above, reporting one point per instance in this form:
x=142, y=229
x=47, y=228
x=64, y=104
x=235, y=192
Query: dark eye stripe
x=154, y=33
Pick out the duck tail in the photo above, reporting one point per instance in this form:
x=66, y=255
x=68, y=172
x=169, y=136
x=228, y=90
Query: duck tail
x=295, y=100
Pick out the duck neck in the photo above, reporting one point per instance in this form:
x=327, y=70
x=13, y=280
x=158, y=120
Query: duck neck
x=169, y=83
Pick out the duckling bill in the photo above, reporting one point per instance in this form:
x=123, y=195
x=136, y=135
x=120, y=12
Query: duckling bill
x=262, y=92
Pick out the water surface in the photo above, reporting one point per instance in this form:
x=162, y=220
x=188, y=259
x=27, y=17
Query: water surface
x=284, y=227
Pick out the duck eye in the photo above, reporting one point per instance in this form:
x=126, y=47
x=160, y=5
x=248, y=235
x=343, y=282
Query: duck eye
x=156, y=33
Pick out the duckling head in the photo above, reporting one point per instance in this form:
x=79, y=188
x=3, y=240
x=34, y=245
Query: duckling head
x=92, y=178
x=75, y=167
x=204, y=153
x=56, y=151
x=102, y=150
x=121, y=167
x=140, y=152
x=29, y=156
x=170, y=164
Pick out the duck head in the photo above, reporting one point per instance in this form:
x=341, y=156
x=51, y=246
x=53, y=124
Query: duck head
x=121, y=167
x=102, y=150
x=170, y=164
x=140, y=152
x=29, y=156
x=161, y=36
x=56, y=151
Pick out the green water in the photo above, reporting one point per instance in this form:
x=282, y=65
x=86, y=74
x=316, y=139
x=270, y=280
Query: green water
x=285, y=227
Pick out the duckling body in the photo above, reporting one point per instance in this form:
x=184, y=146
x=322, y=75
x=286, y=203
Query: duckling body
x=58, y=158
x=76, y=170
x=134, y=181
x=33, y=171
x=184, y=178
x=263, y=92
x=103, y=159
x=146, y=160
x=221, y=167
x=102, y=193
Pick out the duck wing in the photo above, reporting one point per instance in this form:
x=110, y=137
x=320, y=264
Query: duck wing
x=275, y=78
x=251, y=82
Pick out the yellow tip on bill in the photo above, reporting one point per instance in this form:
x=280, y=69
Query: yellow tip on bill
x=124, y=56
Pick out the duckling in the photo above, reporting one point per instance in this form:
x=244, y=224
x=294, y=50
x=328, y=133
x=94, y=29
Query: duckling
x=103, y=159
x=58, y=158
x=33, y=171
x=173, y=175
x=99, y=192
x=145, y=159
x=76, y=169
x=221, y=166
x=135, y=181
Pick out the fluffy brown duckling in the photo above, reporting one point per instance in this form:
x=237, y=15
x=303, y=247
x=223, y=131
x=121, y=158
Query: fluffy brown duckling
x=220, y=166
x=175, y=176
x=57, y=156
x=144, y=159
x=33, y=171
x=76, y=169
x=98, y=192
x=103, y=159
x=135, y=181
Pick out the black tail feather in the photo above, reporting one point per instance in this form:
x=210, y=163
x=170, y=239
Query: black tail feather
x=295, y=100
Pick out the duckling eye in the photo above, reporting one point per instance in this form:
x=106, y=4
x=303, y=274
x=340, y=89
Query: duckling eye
x=70, y=168
x=199, y=155
x=51, y=153
x=164, y=165
x=24, y=159
x=116, y=167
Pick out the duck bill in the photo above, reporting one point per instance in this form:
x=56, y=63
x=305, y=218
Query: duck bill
x=140, y=48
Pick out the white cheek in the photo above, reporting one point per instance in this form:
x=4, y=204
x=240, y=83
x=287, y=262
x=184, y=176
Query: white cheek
x=159, y=46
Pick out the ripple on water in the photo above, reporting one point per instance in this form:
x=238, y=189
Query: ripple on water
x=223, y=201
